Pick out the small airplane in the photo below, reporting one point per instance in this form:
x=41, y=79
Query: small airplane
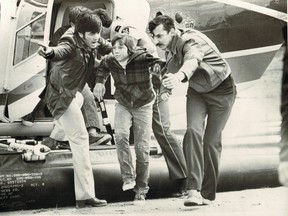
x=248, y=33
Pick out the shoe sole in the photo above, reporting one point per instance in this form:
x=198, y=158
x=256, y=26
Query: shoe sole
x=98, y=205
x=27, y=123
x=103, y=140
x=128, y=188
x=88, y=205
x=192, y=203
x=83, y=204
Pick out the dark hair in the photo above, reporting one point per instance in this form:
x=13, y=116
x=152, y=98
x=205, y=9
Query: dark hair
x=165, y=20
x=88, y=22
x=103, y=15
x=126, y=40
x=76, y=11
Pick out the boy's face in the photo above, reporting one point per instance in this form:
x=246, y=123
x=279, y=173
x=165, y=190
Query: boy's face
x=120, y=51
x=161, y=37
x=90, y=39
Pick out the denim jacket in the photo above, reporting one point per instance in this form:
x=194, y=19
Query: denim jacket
x=212, y=68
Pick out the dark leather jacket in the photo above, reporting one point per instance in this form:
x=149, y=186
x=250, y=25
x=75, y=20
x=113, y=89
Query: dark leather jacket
x=71, y=64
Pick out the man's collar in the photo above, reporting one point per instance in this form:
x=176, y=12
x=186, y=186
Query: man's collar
x=81, y=44
x=173, y=43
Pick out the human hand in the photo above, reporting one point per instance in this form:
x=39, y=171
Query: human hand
x=170, y=81
x=283, y=173
x=155, y=69
x=44, y=51
x=99, y=91
x=165, y=96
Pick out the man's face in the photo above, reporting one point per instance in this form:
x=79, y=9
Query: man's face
x=161, y=37
x=90, y=39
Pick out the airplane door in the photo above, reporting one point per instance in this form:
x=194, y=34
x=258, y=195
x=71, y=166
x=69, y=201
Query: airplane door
x=27, y=69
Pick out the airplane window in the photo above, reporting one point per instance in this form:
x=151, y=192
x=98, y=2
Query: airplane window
x=30, y=31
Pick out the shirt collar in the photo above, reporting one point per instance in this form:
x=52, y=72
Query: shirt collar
x=173, y=43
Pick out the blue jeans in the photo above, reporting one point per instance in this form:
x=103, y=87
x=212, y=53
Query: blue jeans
x=141, y=120
x=202, y=145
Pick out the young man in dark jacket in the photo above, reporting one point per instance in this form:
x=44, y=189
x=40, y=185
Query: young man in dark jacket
x=192, y=57
x=72, y=61
x=89, y=108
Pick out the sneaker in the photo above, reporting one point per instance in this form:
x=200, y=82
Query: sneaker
x=194, y=198
x=98, y=139
x=206, y=201
x=139, y=199
x=28, y=120
x=128, y=185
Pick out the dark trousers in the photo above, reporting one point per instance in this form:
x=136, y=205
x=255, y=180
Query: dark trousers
x=170, y=145
x=207, y=114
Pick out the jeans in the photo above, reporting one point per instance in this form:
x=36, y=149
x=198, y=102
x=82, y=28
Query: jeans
x=141, y=119
x=170, y=145
x=202, y=145
x=89, y=108
x=72, y=124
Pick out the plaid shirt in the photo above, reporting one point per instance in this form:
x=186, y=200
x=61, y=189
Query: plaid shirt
x=133, y=86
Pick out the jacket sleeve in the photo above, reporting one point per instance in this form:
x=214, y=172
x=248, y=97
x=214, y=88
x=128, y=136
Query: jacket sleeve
x=105, y=47
x=103, y=71
x=64, y=50
x=193, y=54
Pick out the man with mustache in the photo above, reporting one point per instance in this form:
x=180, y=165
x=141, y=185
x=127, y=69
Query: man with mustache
x=192, y=57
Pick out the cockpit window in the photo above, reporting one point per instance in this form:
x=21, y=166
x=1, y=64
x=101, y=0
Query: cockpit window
x=30, y=29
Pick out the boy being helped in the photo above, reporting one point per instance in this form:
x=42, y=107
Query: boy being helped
x=130, y=69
